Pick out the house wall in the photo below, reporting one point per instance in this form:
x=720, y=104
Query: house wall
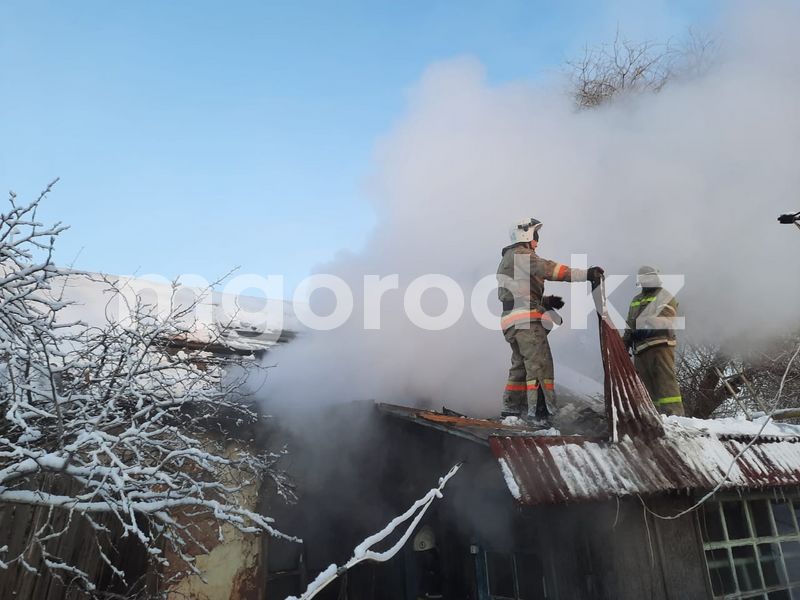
x=610, y=550
x=351, y=486
x=231, y=563
x=353, y=474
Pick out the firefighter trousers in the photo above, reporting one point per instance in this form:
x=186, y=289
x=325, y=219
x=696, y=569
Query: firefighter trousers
x=656, y=369
x=530, y=389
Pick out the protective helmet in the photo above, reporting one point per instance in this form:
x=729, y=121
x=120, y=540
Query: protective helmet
x=525, y=231
x=648, y=277
x=424, y=539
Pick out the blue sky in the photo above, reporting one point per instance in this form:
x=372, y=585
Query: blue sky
x=193, y=137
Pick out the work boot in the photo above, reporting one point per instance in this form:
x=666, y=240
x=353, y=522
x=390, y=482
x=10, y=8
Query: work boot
x=510, y=413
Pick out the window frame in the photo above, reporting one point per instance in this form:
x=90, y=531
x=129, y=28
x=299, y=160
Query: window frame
x=484, y=569
x=753, y=541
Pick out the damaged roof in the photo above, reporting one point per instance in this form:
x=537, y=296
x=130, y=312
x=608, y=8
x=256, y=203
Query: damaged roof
x=644, y=453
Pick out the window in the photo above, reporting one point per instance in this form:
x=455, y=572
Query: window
x=516, y=576
x=752, y=547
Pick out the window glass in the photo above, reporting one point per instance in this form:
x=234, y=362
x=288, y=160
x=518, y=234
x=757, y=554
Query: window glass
x=530, y=577
x=744, y=561
x=735, y=520
x=759, y=514
x=720, y=571
x=791, y=557
x=710, y=522
x=501, y=574
x=784, y=518
x=752, y=546
x=769, y=555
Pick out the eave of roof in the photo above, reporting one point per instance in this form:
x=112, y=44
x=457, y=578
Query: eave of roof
x=474, y=430
x=548, y=470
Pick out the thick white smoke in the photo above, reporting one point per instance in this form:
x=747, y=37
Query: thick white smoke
x=690, y=179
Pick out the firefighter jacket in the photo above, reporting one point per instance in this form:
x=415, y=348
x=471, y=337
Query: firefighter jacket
x=520, y=279
x=650, y=320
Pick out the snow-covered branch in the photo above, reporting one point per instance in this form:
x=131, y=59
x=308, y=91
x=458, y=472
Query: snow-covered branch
x=115, y=420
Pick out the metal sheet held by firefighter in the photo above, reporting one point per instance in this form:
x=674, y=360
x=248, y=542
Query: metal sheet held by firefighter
x=628, y=406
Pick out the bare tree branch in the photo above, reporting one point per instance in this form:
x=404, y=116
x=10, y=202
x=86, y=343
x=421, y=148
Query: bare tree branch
x=112, y=425
x=623, y=67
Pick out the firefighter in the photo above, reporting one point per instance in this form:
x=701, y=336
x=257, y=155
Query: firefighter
x=429, y=568
x=528, y=315
x=650, y=337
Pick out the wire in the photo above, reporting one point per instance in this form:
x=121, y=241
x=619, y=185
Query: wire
x=768, y=418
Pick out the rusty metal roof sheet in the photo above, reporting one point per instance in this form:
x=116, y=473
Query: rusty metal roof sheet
x=628, y=406
x=558, y=469
x=477, y=430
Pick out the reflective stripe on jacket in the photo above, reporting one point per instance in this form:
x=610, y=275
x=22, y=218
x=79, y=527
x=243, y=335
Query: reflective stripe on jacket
x=650, y=320
x=520, y=279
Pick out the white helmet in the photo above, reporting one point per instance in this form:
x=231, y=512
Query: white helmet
x=525, y=231
x=424, y=539
x=648, y=277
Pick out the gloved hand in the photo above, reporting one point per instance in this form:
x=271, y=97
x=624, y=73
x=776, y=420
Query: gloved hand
x=550, y=302
x=595, y=275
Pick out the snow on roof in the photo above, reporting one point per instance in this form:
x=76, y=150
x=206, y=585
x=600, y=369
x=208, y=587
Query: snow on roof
x=645, y=453
x=739, y=427
x=692, y=454
x=220, y=322
x=550, y=469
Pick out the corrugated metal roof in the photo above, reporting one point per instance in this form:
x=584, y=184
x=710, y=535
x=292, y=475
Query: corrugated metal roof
x=642, y=457
x=645, y=453
x=547, y=470
x=541, y=469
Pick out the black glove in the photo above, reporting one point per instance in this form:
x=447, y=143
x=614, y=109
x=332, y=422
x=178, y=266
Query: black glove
x=550, y=302
x=628, y=346
x=595, y=275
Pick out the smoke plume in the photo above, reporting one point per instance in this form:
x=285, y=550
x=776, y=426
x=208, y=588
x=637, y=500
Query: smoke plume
x=690, y=179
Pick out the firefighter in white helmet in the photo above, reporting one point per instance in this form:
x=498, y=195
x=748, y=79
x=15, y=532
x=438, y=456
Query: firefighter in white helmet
x=650, y=337
x=527, y=317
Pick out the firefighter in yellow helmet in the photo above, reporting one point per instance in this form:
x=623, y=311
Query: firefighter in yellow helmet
x=527, y=318
x=650, y=336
